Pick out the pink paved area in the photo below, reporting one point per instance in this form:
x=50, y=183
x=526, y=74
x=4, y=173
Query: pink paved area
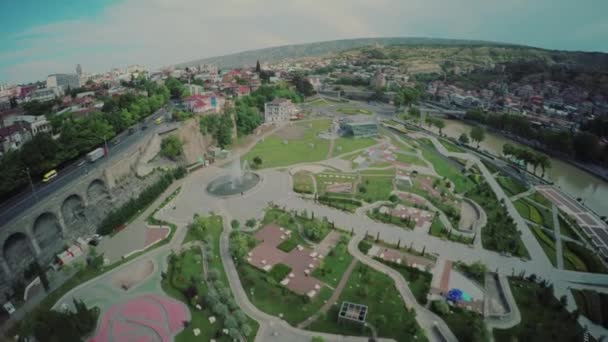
x=394, y=255
x=144, y=318
x=302, y=261
x=155, y=234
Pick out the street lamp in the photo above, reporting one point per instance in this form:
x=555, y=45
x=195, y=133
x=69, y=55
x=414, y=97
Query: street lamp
x=29, y=177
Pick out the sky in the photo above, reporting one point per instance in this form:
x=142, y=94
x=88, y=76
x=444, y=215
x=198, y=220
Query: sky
x=41, y=37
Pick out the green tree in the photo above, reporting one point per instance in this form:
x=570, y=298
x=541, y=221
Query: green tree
x=477, y=134
x=235, y=224
x=171, y=147
x=463, y=139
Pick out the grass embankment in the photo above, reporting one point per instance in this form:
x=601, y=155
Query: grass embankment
x=334, y=264
x=386, y=310
x=500, y=233
x=303, y=183
x=276, y=150
x=348, y=145
x=418, y=281
x=543, y=317
x=446, y=168
x=510, y=185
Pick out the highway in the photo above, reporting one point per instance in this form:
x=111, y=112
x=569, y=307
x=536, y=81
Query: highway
x=12, y=207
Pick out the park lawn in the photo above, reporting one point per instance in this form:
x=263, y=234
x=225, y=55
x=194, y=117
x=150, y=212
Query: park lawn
x=542, y=316
x=323, y=179
x=288, y=245
x=547, y=243
x=439, y=230
x=346, y=145
x=189, y=263
x=302, y=182
x=566, y=229
x=402, y=145
x=450, y=146
x=279, y=272
x=377, y=188
x=386, y=310
x=409, y=159
x=540, y=198
x=534, y=213
x=466, y=325
x=418, y=281
x=579, y=258
x=353, y=111
x=445, y=168
x=200, y=318
x=285, y=220
x=500, y=234
x=334, y=265
x=510, y=185
x=275, y=299
x=275, y=153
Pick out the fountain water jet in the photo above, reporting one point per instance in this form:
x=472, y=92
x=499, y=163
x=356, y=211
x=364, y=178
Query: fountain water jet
x=237, y=180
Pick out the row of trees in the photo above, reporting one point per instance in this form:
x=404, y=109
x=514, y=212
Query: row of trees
x=584, y=146
x=219, y=126
x=55, y=326
x=527, y=157
x=119, y=216
x=78, y=135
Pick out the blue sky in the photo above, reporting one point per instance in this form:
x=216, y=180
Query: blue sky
x=40, y=37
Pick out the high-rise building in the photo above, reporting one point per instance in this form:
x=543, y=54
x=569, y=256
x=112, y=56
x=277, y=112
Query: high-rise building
x=79, y=70
x=63, y=81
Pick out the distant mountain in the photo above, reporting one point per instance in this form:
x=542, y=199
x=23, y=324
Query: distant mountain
x=278, y=53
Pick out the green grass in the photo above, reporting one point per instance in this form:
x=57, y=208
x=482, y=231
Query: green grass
x=279, y=272
x=275, y=299
x=323, y=179
x=347, y=145
x=401, y=146
x=334, y=265
x=500, y=233
x=377, y=188
x=451, y=147
x=510, y=185
x=466, y=325
x=547, y=243
x=302, y=182
x=439, y=230
x=542, y=316
x=579, y=258
x=288, y=245
x=409, y=159
x=189, y=267
x=274, y=153
x=445, y=168
x=534, y=213
x=418, y=281
x=566, y=229
x=540, y=198
x=386, y=310
x=353, y=111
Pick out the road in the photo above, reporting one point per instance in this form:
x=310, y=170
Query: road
x=12, y=207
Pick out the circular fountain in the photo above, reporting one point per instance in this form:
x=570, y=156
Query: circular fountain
x=238, y=180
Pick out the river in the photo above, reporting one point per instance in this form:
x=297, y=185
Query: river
x=574, y=181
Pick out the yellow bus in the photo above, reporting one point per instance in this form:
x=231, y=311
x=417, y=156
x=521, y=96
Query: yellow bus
x=49, y=175
x=159, y=120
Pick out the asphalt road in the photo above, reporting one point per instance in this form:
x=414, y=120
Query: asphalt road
x=12, y=207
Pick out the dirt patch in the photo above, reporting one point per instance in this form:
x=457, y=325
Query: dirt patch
x=291, y=132
x=194, y=142
x=133, y=275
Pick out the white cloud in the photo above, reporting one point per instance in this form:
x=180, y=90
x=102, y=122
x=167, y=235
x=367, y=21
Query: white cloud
x=161, y=32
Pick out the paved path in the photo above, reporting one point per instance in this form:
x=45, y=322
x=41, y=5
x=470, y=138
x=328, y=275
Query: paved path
x=427, y=320
x=558, y=238
x=523, y=194
x=334, y=296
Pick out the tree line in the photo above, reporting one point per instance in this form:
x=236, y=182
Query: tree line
x=78, y=135
x=527, y=157
x=582, y=145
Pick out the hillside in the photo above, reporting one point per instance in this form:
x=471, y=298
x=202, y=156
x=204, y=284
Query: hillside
x=278, y=53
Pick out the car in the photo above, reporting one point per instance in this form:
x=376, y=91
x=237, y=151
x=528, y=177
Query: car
x=144, y=127
x=93, y=242
x=80, y=163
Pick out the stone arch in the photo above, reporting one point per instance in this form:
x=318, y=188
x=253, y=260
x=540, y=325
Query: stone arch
x=97, y=190
x=49, y=234
x=18, y=251
x=72, y=210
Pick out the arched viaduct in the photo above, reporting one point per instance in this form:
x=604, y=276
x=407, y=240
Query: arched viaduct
x=45, y=229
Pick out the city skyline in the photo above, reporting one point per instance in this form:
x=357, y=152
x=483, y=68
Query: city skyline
x=100, y=35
